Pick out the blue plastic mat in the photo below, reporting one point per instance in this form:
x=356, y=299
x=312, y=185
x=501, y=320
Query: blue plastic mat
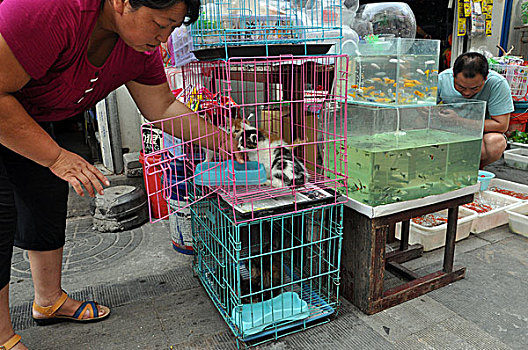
x=255, y=318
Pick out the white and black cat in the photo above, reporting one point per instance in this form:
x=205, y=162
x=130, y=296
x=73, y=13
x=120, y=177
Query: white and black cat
x=283, y=169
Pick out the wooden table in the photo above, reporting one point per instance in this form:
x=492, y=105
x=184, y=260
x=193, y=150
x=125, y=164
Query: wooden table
x=364, y=259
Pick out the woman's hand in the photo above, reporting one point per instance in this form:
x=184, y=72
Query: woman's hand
x=74, y=169
x=225, y=148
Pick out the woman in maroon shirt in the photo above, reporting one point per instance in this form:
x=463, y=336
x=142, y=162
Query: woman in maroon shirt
x=59, y=58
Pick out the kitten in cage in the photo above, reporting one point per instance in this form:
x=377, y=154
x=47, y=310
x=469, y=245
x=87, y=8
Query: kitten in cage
x=282, y=167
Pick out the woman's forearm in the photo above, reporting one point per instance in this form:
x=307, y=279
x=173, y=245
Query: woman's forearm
x=20, y=133
x=191, y=127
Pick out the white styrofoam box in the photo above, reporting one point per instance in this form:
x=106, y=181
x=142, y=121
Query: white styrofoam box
x=514, y=145
x=518, y=219
x=517, y=158
x=434, y=237
x=508, y=185
x=495, y=217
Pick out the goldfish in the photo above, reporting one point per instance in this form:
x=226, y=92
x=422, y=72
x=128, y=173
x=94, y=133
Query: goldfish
x=434, y=88
x=378, y=80
x=388, y=81
x=368, y=88
x=382, y=100
x=427, y=73
x=354, y=86
x=409, y=84
x=418, y=93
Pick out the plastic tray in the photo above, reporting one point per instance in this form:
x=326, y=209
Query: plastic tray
x=434, y=237
x=518, y=219
x=495, y=217
x=517, y=158
x=514, y=145
x=508, y=185
x=220, y=173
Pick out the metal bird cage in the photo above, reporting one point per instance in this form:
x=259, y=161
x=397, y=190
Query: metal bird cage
x=270, y=27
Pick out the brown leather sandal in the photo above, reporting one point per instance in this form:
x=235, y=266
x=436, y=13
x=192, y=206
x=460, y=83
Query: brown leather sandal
x=50, y=311
x=14, y=340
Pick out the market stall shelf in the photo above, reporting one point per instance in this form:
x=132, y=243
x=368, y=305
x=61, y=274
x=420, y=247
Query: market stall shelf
x=365, y=260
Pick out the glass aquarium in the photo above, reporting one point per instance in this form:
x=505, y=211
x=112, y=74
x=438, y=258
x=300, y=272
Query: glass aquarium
x=394, y=71
x=401, y=153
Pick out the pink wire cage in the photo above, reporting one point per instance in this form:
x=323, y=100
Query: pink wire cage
x=284, y=116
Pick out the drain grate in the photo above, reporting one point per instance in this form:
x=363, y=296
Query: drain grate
x=86, y=249
x=115, y=295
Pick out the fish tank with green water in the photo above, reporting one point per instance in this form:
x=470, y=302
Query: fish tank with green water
x=394, y=71
x=401, y=153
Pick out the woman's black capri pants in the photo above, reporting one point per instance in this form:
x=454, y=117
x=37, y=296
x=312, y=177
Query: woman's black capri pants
x=33, y=206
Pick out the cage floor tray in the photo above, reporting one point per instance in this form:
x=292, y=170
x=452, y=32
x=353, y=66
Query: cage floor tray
x=285, y=307
x=262, y=50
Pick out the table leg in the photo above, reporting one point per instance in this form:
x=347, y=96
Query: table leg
x=449, y=252
x=363, y=260
x=404, y=234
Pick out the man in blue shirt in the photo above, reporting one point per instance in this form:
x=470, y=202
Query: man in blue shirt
x=471, y=78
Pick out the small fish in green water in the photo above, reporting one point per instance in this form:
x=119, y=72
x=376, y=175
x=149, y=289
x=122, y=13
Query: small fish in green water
x=376, y=167
x=358, y=164
x=393, y=169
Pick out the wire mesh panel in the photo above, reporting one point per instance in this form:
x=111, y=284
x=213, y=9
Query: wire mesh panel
x=225, y=23
x=270, y=132
x=517, y=77
x=270, y=276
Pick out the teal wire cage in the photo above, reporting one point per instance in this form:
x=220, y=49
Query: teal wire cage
x=266, y=24
x=269, y=277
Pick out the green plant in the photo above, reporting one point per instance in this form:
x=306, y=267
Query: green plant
x=519, y=136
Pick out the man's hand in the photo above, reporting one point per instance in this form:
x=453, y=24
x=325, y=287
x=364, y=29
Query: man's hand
x=74, y=169
x=450, y=117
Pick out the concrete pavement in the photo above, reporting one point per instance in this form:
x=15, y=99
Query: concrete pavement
x=158, y=304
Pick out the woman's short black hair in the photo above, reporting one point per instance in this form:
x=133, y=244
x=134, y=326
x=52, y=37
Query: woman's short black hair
x=470, y=64
x=193, y=7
